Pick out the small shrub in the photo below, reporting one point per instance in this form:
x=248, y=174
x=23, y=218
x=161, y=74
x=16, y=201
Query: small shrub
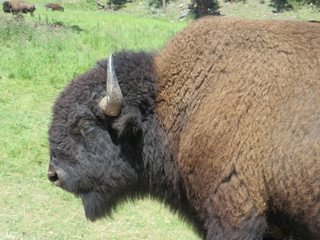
x=200, y=8
x=281, y=5
x=288, y=5
x=313, y=2
x=116, y=4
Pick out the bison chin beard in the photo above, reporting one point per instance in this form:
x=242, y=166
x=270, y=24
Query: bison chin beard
x=96, y=205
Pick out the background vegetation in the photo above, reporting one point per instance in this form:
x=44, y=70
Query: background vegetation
x=198, y=8
x=38, y=57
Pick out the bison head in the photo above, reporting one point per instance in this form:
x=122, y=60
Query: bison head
x=6, y=7
x=95, y=152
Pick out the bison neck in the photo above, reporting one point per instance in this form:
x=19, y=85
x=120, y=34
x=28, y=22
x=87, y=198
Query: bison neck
x=160, y=175
x=163, y=173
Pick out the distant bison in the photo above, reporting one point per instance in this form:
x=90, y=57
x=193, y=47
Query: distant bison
x=6, y=7
x=222, y=124
x=54, y=7
x=17, y=7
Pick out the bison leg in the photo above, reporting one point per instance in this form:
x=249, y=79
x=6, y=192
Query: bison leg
x=250, y=229
x=233, y=213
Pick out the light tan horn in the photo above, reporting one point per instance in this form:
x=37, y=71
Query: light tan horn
x=111, y=104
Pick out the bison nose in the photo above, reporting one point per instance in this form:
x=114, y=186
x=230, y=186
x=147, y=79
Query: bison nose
x=55, y=175
x=54, y=178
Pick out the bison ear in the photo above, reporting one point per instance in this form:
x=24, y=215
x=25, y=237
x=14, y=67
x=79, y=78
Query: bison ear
x=129, y=124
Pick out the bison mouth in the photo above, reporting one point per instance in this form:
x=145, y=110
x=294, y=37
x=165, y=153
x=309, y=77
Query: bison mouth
x=96, y=205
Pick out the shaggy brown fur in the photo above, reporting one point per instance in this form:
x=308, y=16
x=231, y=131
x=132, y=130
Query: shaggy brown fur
x=222, y=124
x=54, y=7
x=240, y=102
x=18, y=7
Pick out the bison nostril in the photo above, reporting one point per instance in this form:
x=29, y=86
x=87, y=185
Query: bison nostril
x=53, y=177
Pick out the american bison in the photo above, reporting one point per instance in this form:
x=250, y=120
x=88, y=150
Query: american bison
x=6, y=7
x=18, y=7
x=54, y=7
x=222, y=125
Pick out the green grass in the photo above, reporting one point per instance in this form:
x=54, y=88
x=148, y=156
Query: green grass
x=38, y=57
x=72, y=41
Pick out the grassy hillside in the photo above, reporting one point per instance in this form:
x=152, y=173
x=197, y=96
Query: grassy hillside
x=38, y=57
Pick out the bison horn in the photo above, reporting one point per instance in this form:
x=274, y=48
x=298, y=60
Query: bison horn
x=111, y=104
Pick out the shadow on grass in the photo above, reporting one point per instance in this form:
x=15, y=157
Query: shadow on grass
x=60, y=24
